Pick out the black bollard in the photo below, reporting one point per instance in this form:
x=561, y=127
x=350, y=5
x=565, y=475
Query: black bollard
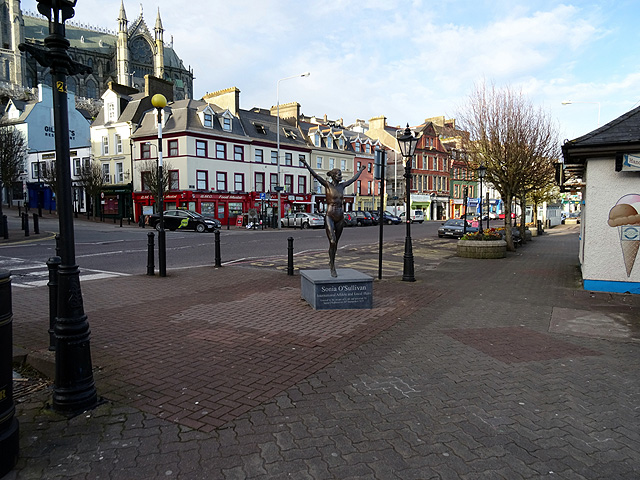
x=36, y=224
x=5, y=223
x=9, y=428
x=290, y=256
x=53, y=264
x=19, y=210
x=217, y=248
x=120, y=222
x=150, y=254
x=26, y=224
x=21, y=221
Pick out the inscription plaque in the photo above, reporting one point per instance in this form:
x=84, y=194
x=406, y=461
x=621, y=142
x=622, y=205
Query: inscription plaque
x=351, y=289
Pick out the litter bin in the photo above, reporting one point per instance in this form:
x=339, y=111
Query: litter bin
x=9, y=429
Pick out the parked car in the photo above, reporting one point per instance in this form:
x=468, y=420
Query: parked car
x=350, y=219
x=572, y=218
x=417, y=216
x=391, y=219
x=302, y=220
x=455, y=228
x=375, y=216
x=184, y=220
x=363, y=218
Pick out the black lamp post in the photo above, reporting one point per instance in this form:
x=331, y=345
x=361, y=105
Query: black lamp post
x=482, y=170
x=74, y=389
x=159, y=102
x=407, y=143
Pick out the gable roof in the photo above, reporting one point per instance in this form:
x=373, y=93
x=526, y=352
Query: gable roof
x=624, y=130
x=621, y=135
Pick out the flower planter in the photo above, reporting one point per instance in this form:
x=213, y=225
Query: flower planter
x=482, y=248
x=534, y=231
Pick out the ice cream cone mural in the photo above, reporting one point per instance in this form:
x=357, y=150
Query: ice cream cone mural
x=625, y=215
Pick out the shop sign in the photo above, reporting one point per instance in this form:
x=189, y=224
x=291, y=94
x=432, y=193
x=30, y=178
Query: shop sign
x=231, y=197
x=420, y=198
x=631, y=162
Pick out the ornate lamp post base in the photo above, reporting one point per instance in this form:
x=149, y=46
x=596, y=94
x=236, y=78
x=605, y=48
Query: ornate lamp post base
x=74, y=390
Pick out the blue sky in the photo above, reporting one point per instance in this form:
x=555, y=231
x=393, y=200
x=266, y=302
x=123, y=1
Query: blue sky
x=406, y=60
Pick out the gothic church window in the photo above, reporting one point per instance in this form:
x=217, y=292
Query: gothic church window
x=92, y=91
x=141, y=51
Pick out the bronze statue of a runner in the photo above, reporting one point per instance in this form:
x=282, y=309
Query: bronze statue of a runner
x=334, y=218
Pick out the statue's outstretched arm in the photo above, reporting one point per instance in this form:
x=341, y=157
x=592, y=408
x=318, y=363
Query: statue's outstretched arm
x=322, y=181
x=354, y=178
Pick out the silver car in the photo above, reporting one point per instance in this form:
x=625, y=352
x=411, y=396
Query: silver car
x=302, y=220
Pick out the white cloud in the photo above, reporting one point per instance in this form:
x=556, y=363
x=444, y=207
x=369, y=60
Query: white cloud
x=406, y=60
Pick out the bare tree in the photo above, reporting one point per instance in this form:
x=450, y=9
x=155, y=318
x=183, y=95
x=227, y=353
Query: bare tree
x=13, y=150
x=49, y=175
x=149, y=171
x=511, y=137
x=92, y=180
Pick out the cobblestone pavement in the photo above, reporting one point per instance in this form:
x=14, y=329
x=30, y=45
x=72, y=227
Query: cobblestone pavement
x=480, y=369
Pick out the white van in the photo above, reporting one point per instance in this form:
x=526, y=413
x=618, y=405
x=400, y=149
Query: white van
x=417, y=216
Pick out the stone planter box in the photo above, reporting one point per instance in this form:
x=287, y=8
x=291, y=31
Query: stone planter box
x=534, y=231
x=482, y=249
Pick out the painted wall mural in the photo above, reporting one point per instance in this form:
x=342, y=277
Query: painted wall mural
x=625, y=216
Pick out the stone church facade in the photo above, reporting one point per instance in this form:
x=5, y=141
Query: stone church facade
x=123, y=56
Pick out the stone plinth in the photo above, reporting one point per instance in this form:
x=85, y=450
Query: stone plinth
x=349, y=290
x=482, y=249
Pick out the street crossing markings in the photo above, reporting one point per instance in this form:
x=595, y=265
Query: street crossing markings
x=29, y=274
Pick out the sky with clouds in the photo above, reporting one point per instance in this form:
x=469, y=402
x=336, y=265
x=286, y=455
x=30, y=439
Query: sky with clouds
x=406, y=60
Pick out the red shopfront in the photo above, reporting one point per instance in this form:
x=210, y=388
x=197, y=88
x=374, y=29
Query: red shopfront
x=226, y=207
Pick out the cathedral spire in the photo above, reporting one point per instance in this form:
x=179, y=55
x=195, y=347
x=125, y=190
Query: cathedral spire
x=159, y=22
x=122, y=18
x=122, y=48
x=159, y=54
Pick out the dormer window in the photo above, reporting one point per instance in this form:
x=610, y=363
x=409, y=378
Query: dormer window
x=367, y=148
x=260, y=128
x=341, y=143
x=357, y=146
x=226, y=124
x=208, y=120
x=329, y=142
x=316, y=140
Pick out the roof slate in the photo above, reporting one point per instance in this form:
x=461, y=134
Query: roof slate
x=624, y=129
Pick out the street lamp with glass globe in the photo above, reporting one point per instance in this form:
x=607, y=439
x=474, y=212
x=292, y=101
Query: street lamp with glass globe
x=407, y=143
x=482, y=171
x=74, y=389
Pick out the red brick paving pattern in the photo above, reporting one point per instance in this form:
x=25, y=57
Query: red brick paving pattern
x=196, y=349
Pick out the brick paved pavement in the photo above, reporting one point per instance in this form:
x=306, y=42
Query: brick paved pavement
x=480, y=369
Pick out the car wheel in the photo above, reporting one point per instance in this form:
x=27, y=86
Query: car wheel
x=157, y=227
x=200, y=228
x=305, y=225
x=420, y=221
